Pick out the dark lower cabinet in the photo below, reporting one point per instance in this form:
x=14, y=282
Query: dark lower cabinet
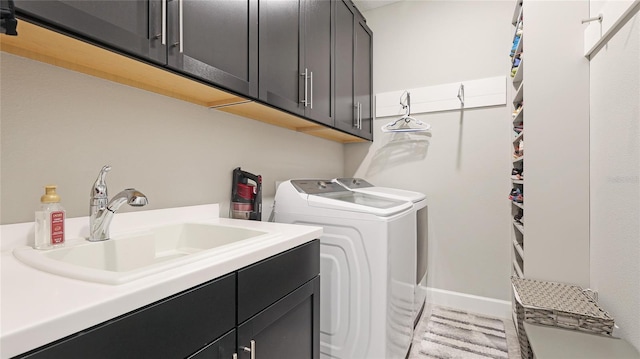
x=222, y=348
x=290, y=328
x=131, y=26
x=270, y=308
x=175, y=327
x=265, y=282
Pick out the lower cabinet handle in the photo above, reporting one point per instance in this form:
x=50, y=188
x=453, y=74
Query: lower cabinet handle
x=252, y=349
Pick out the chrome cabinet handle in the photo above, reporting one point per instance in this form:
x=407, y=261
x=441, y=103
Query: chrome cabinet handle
x=235, y=356
x=163, y=18
x=311, y=90
x=252, y=349
x=306, y=78
x=164, y=22
x=355, y=115
x=181, y=14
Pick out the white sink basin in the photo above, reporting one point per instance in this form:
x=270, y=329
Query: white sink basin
x=127, y=257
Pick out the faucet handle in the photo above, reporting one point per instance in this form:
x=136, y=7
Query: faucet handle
x=99, y=189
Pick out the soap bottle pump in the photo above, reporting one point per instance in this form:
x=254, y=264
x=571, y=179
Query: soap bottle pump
x=49, y=220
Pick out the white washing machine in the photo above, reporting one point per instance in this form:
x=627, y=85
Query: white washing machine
x=364, y=248
x=421, y=212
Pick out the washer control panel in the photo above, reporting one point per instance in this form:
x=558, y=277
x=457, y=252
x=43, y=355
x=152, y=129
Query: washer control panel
x=317, y=186
x=352, y=183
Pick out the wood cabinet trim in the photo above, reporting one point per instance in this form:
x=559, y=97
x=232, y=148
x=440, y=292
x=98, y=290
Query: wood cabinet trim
x=48, y=46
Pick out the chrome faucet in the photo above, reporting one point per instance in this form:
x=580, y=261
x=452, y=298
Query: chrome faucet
x=101, y=210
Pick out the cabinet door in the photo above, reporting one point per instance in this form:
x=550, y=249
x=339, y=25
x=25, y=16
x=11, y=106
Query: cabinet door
x=222, y=348
x=264, y=283
x=290, y=328
x=318, y=60
x=280, y=81
x=363, y=79
x=216, y=41
x=131, y=26
x=354, y=105
x=344, y=41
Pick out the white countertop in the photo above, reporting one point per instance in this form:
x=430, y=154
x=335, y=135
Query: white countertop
x=37, y=308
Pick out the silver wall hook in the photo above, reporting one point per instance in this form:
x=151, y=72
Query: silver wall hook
x=461, y=94
x=597, y=18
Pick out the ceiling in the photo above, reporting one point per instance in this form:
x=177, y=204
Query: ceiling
x=365, y=5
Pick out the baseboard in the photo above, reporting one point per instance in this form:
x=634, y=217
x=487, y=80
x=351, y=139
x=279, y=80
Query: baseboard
x=471, y=303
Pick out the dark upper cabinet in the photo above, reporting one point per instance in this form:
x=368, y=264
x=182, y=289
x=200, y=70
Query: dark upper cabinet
x=318, y=60
x=353, y=53
x=295, y=67
x=280, y=42
x=132, y=26
x=215, y=40
x=311, y=58
x=363, y=77
x=345, y=114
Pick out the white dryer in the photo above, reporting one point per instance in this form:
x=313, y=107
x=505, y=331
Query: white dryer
x=421, y=212
x=364, y=248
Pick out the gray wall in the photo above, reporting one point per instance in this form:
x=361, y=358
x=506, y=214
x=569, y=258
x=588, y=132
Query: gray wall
x=556, y=73
x=464, y=167
x=61, y=127
x=615, y=184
